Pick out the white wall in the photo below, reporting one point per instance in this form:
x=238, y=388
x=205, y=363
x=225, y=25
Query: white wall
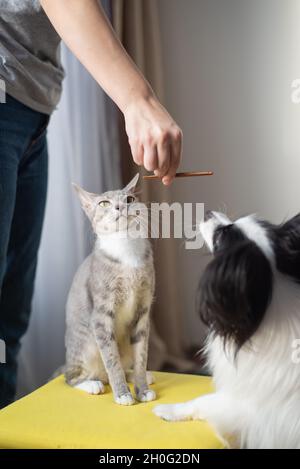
x=228, y=67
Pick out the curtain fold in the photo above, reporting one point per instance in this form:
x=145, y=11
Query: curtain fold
x=137, y=25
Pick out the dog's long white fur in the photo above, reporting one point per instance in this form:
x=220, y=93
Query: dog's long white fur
x=257, y=398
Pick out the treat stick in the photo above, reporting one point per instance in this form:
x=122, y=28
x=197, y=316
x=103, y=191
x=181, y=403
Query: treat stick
x=186, y=174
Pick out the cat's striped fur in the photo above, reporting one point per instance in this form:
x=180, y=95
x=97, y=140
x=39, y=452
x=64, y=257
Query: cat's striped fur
x=109, y=302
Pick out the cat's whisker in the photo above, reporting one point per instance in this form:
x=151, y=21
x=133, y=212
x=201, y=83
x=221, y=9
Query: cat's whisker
x=146, y=225
x=152, y=225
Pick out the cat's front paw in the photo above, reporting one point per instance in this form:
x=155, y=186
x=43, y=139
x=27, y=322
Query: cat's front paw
x=170, y=412
x=91, y=386
x=125, y=399
x=146, y=396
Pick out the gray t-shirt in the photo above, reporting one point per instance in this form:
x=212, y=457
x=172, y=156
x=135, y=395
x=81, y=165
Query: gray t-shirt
x=30, y=55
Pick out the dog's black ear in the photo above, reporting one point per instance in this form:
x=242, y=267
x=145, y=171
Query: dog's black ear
x=235, y=291
x=287, y=247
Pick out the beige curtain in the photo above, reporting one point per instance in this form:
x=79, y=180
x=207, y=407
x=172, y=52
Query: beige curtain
x=137, y=25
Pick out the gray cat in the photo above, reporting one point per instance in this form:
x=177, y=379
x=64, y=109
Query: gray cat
x=108, y=307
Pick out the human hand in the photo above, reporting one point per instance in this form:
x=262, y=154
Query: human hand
x=154, y=137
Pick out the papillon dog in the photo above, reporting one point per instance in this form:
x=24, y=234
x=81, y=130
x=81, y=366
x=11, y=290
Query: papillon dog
x=249, y=296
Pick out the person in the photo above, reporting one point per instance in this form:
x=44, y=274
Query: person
x=30, y=34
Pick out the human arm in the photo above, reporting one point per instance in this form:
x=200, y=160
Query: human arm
x=154, y=137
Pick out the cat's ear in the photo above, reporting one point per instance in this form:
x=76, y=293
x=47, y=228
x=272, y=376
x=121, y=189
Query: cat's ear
x=87, y=199
x=132, y=184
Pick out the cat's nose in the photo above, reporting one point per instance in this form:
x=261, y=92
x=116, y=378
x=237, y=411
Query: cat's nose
x=117, y=207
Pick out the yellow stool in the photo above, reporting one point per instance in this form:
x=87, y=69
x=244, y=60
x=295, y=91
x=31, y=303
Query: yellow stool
x=58, y=416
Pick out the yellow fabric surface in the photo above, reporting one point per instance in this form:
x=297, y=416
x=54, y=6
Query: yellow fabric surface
x=58, y=416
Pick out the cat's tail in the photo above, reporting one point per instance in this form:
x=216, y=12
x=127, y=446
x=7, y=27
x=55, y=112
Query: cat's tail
x=73, y=374
x=60, y=371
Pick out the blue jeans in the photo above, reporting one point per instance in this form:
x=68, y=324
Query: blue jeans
x=23, y=187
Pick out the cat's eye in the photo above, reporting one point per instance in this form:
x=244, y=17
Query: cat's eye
x=104, y=203
x=130, y=199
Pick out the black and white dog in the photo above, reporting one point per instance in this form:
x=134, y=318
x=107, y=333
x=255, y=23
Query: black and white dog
x=250, y=299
